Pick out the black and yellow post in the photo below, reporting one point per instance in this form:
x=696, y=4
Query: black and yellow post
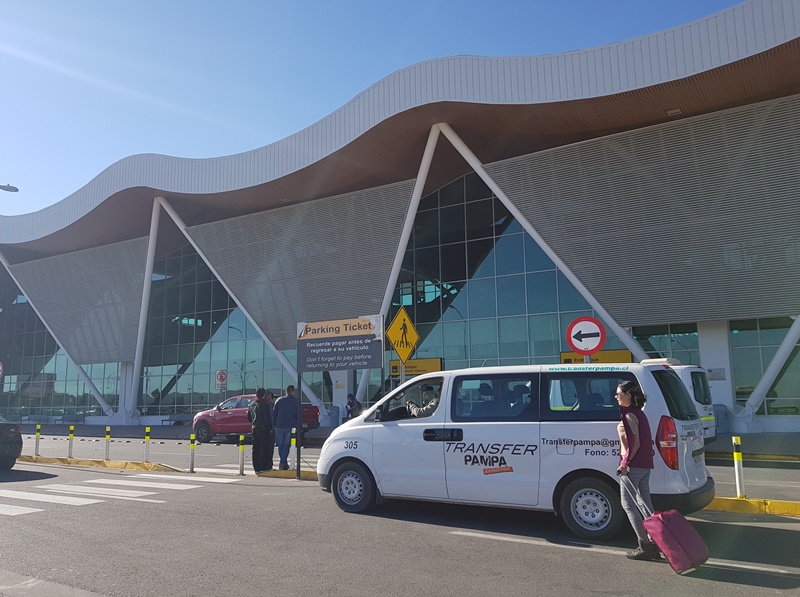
x=241, y=455
x=108, y=441
x=737, y=466
x=146, y=444
x=38, y=437
x=296, y=433
x=191, y=452
x=71, y=436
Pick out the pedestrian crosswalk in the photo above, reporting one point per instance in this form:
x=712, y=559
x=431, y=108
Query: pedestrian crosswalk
x=308, y=462
x=139, y=488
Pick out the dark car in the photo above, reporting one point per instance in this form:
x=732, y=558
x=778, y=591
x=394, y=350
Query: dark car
x=10, y=443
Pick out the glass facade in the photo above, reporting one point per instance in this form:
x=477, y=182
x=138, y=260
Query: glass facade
x=754, y=343
x=480, y=291
x=678, y=341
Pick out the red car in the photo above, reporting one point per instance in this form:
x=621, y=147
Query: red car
x=230, y=418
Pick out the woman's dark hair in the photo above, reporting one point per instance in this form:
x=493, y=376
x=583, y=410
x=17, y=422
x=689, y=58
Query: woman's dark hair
x=638, y=398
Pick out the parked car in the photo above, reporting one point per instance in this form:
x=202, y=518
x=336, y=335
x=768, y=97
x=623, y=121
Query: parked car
x=10, y=443
x=229, y=418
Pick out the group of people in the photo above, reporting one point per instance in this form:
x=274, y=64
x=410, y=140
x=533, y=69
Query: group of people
x=272, y=422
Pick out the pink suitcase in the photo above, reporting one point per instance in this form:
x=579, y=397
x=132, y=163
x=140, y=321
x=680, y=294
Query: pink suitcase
x=680, y=543
x=683, y=547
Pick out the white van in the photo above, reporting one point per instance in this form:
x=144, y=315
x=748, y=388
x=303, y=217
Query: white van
x=539, y=437
x=696, y=381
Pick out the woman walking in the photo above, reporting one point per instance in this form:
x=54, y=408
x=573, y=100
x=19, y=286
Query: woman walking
x=636, y=462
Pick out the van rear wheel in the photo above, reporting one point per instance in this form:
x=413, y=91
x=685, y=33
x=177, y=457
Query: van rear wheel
x=353, y=487
x=591, y=509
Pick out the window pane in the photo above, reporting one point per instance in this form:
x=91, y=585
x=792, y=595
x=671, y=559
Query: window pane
x=475, y=187
x=482, y=300
x=509, y=255
x=427, y=263
x=452, y=224
x=544, y=333
x=569, y=299
x=513, y=337
x=511, y=295
x=542, y=296
x=454, y=337
x=454, y=262
x=772, y=330
x=429, y=201
x=744, y=333
x=455, y=297
x=480, y=258
x=452, y=194
x=426, y=229
x=480, y=219
x=483, y=339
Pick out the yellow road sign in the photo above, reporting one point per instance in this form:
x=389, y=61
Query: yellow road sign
x=402, y=335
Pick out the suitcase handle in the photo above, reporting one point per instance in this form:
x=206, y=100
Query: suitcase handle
x=634, y=493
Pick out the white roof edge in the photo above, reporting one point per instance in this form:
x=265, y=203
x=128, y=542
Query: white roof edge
x=733, y=34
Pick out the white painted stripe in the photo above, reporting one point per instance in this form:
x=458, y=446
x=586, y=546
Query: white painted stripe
x=16, y=585
x=177, y=486
x=192, y=478
x=103, y=493
x=223, y=471
x=104, y=490
x=43, y=497
x=616, y=552
x=6, y=510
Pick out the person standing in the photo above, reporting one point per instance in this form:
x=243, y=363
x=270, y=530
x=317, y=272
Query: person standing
x=259, y=414
x=284, y=417
x=636, y=462
x=353, y=406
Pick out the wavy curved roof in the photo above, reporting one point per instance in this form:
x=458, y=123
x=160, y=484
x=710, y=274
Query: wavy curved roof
x=500, y=106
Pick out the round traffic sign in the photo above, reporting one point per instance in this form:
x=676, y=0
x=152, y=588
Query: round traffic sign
x=222, y=376
x=586, y=335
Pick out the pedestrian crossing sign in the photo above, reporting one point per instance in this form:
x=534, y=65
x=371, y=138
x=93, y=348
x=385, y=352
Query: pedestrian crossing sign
x=402, y=335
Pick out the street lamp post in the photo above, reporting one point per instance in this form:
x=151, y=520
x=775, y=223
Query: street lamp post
x=9, y=188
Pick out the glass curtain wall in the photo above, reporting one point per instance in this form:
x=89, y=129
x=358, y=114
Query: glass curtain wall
x=678, y=341
x=39, y=383
x=754, y=343
x=478, y=289
x=195, y=329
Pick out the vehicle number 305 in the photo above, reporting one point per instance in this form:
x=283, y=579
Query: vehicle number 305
x=351, y=445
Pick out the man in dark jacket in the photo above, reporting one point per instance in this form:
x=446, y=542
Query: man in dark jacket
x=259, y=414
x=284, y=417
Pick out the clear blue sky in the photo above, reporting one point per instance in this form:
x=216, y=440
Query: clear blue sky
x=85, y=83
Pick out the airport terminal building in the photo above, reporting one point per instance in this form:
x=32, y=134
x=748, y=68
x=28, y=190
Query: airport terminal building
x=653, y=184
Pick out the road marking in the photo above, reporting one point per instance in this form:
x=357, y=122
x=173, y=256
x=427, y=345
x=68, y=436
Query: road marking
x=749, y=483
x=192, y=478
x=7, y=510
x=223, y=471
x=616, y=552
x=104, y=492
x=16, y=584
x=43, y=497
x=177, y=486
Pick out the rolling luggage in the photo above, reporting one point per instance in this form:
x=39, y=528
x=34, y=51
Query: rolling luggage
x=680, y=543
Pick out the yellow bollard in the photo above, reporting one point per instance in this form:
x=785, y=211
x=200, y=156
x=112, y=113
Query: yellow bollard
x=38, y=436
x=108, y=441
x=71, y=435
x=147, y=444
x=241, y=455
x=737, y=466
x=191, y=452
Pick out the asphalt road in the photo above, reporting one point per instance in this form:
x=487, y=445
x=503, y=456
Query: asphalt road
x=139, y=534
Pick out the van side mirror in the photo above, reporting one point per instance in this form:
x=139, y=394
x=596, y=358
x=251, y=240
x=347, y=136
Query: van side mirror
x=378, y=412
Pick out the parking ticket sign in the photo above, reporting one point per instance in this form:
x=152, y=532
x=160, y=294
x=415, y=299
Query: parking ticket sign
x=586, y=335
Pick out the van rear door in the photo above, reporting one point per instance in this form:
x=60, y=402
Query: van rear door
x=683, y=452
x=494, y=455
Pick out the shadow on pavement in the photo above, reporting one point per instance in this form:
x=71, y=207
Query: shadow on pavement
x=19, y=476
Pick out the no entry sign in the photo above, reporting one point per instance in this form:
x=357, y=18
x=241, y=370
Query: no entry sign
x=586, y=335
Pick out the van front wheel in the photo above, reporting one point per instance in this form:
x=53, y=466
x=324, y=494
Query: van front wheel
x=591, y=509
x=353, y=487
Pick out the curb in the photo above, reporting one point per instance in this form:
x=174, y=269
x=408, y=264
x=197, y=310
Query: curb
x=746, y=506
x=118, y=464
x=304, y=475
x=754, y=456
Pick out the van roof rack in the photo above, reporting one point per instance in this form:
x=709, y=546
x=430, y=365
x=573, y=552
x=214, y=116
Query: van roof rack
x=666, y=361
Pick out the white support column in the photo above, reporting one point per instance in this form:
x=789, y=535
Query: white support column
x=128, y=406
x=405, y=234
x=278, y=354
x=81, y=373
x=632, y=345
x=771, y=374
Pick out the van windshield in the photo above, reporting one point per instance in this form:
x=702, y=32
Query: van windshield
x=702, y=393
x=679, y=402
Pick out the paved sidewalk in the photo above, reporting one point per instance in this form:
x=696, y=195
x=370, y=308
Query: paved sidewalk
x=757, y=446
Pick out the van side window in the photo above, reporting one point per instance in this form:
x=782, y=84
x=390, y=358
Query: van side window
x=421, y=394
x=578, y=396
x=495, y=398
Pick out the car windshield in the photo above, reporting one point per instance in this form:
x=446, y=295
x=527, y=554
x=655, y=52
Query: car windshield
x=680, y=403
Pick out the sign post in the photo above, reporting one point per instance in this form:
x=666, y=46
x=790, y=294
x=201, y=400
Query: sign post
x=404, y=338
x=586, y=335
x=336, y=345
